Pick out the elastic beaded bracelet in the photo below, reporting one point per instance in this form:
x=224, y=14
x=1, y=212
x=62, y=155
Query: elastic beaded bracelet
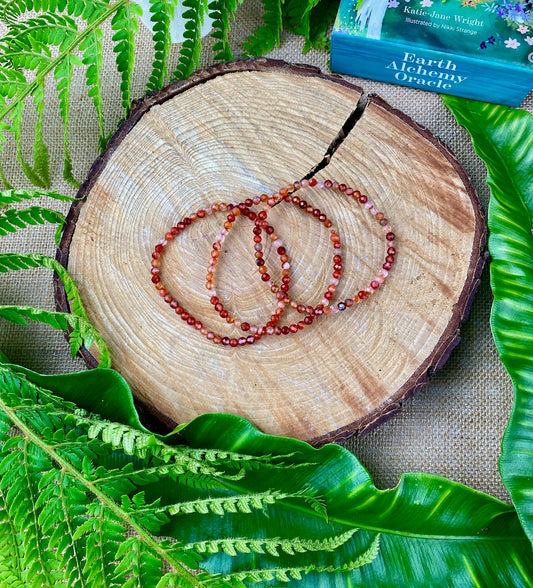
x=286, y=195
x=380, y=217
x=171, y=301
x=270, y=327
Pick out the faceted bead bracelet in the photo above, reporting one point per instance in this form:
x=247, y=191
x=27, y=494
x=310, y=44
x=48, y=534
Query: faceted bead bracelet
x=287, y=194
x=281, y=291
x=270, y=327
x=170, y=300
x=380, y=218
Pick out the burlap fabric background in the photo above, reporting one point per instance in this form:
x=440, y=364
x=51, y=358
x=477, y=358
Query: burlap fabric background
x=453, y=428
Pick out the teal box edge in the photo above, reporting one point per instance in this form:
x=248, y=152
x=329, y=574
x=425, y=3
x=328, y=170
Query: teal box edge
x=406, y=65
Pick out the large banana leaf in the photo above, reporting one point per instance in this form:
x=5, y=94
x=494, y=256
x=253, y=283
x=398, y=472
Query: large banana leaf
x=503, y=138
x=291, y=514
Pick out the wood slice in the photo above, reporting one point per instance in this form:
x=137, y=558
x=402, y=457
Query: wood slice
x=234, y=131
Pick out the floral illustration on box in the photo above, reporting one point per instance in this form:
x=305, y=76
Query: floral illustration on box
x=517, y=16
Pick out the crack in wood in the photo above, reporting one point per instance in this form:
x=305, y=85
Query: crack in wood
x=344, y=131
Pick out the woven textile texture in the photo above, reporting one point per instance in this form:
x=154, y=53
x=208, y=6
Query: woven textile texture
x=453, y=428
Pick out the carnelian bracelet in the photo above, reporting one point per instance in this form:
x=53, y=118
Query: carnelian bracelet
x=269, y=328
x=281, y=291
x=170, y=300
x=324, y=308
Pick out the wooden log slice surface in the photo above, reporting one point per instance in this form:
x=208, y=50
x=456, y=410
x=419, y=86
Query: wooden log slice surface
x=232, y=132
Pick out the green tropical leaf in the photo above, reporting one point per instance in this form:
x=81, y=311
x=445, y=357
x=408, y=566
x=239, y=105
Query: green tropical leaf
x=503, y=138
x=426, y=532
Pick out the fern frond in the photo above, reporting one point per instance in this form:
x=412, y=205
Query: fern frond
x=59, y=494
x=287, y=574
x=41, y=157
x=138, y=563
x=15, y=128
x=226, y=504
x=91, y=47
x=10, y=548
x=91, y=525
x=178, y=463
x=317, y=503
x=72, y=531
x=266, y=37
x=220, y=12
x=162, y=12
x=81, y=331
x=321, y=18
x=63, y=74
x=36, y=35
x=125, y=25
x=176, y=581
x=232, y=546
x=189, y=55
x=20, y=481
x=11, y=196
x=243, y=463
x=12, y=219
x=27, y=47
x=12, y=82
x=22, y=261
x=297, y=16
x=12, y=9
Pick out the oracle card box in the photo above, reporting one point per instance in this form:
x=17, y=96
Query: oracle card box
x=472, y=48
